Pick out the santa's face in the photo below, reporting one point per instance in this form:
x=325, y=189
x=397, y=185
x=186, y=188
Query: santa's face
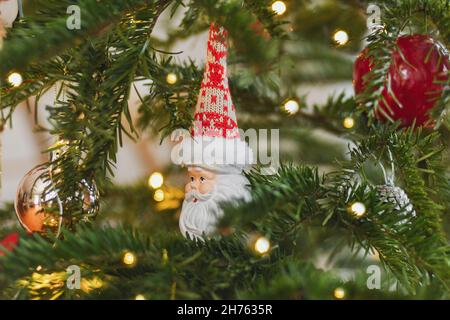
x=200, y=181
x=205, y=192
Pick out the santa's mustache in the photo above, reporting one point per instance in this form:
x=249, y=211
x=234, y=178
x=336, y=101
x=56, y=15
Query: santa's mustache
x=191, y=195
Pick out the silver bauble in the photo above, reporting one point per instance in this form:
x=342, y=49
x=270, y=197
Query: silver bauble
x=37, y=204
x=40, y=209
x=398, y=197
x=89, y=197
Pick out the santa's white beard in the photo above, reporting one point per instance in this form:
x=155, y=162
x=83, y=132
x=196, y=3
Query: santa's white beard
x=200, y=218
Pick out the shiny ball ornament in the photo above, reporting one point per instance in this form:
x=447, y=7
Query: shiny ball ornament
x=37, y=204
x=40, y=209
x=398, y=197
x=415, y=82
x=9, y=9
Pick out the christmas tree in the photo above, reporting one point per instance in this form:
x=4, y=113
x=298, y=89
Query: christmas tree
x=347, y=199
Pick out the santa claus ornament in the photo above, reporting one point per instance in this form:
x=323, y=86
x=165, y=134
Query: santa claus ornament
x=415, y=81
x=213, y=153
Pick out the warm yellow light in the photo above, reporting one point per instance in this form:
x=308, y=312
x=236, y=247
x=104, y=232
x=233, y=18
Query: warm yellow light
x=279, y=7
x=348, y=122
x=156, y=180
x=341, y=37
x=140, y=297
x=171, y=78
x=129, y=258
x=38, y=268
x=96, y=283
x=291, y=107
x=159, y=195
x=339, y=293
x=262, y=245
x=15, y=79
x=358, y=209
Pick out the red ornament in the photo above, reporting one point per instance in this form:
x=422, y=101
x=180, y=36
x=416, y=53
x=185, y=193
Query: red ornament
x=416, y=76
x=9, y=242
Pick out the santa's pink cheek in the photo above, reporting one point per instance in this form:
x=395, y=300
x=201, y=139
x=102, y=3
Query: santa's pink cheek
x=206, y=188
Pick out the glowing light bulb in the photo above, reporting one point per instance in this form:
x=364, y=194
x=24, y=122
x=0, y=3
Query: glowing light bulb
x=262, y=245
x=15, y=79
x=358, y=209
x=341, y=37
x=291, y=107
x=348, y=122
x=140, y=297
x=156, y=180
x=159, y=195
x=279, y=7
x=171, y=78
x=129, y=258
x=339, y=293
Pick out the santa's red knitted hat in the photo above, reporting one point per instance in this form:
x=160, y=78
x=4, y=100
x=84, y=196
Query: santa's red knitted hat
x=215, y=132
x=215, y=114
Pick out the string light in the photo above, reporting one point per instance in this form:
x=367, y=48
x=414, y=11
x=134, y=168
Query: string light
x=358, y=209
x=262, y=245
x=15, y=79
x=129, y=258
x=159, y=195
x=339, y=293
x=341, y=37
x=171, y=78
x=156, y=180
x=140, y=297
x=291, y=107
x=348, y=122
x=279, y=7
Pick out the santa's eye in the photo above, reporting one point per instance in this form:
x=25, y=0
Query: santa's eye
x=202, y=179
x=192, y=179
